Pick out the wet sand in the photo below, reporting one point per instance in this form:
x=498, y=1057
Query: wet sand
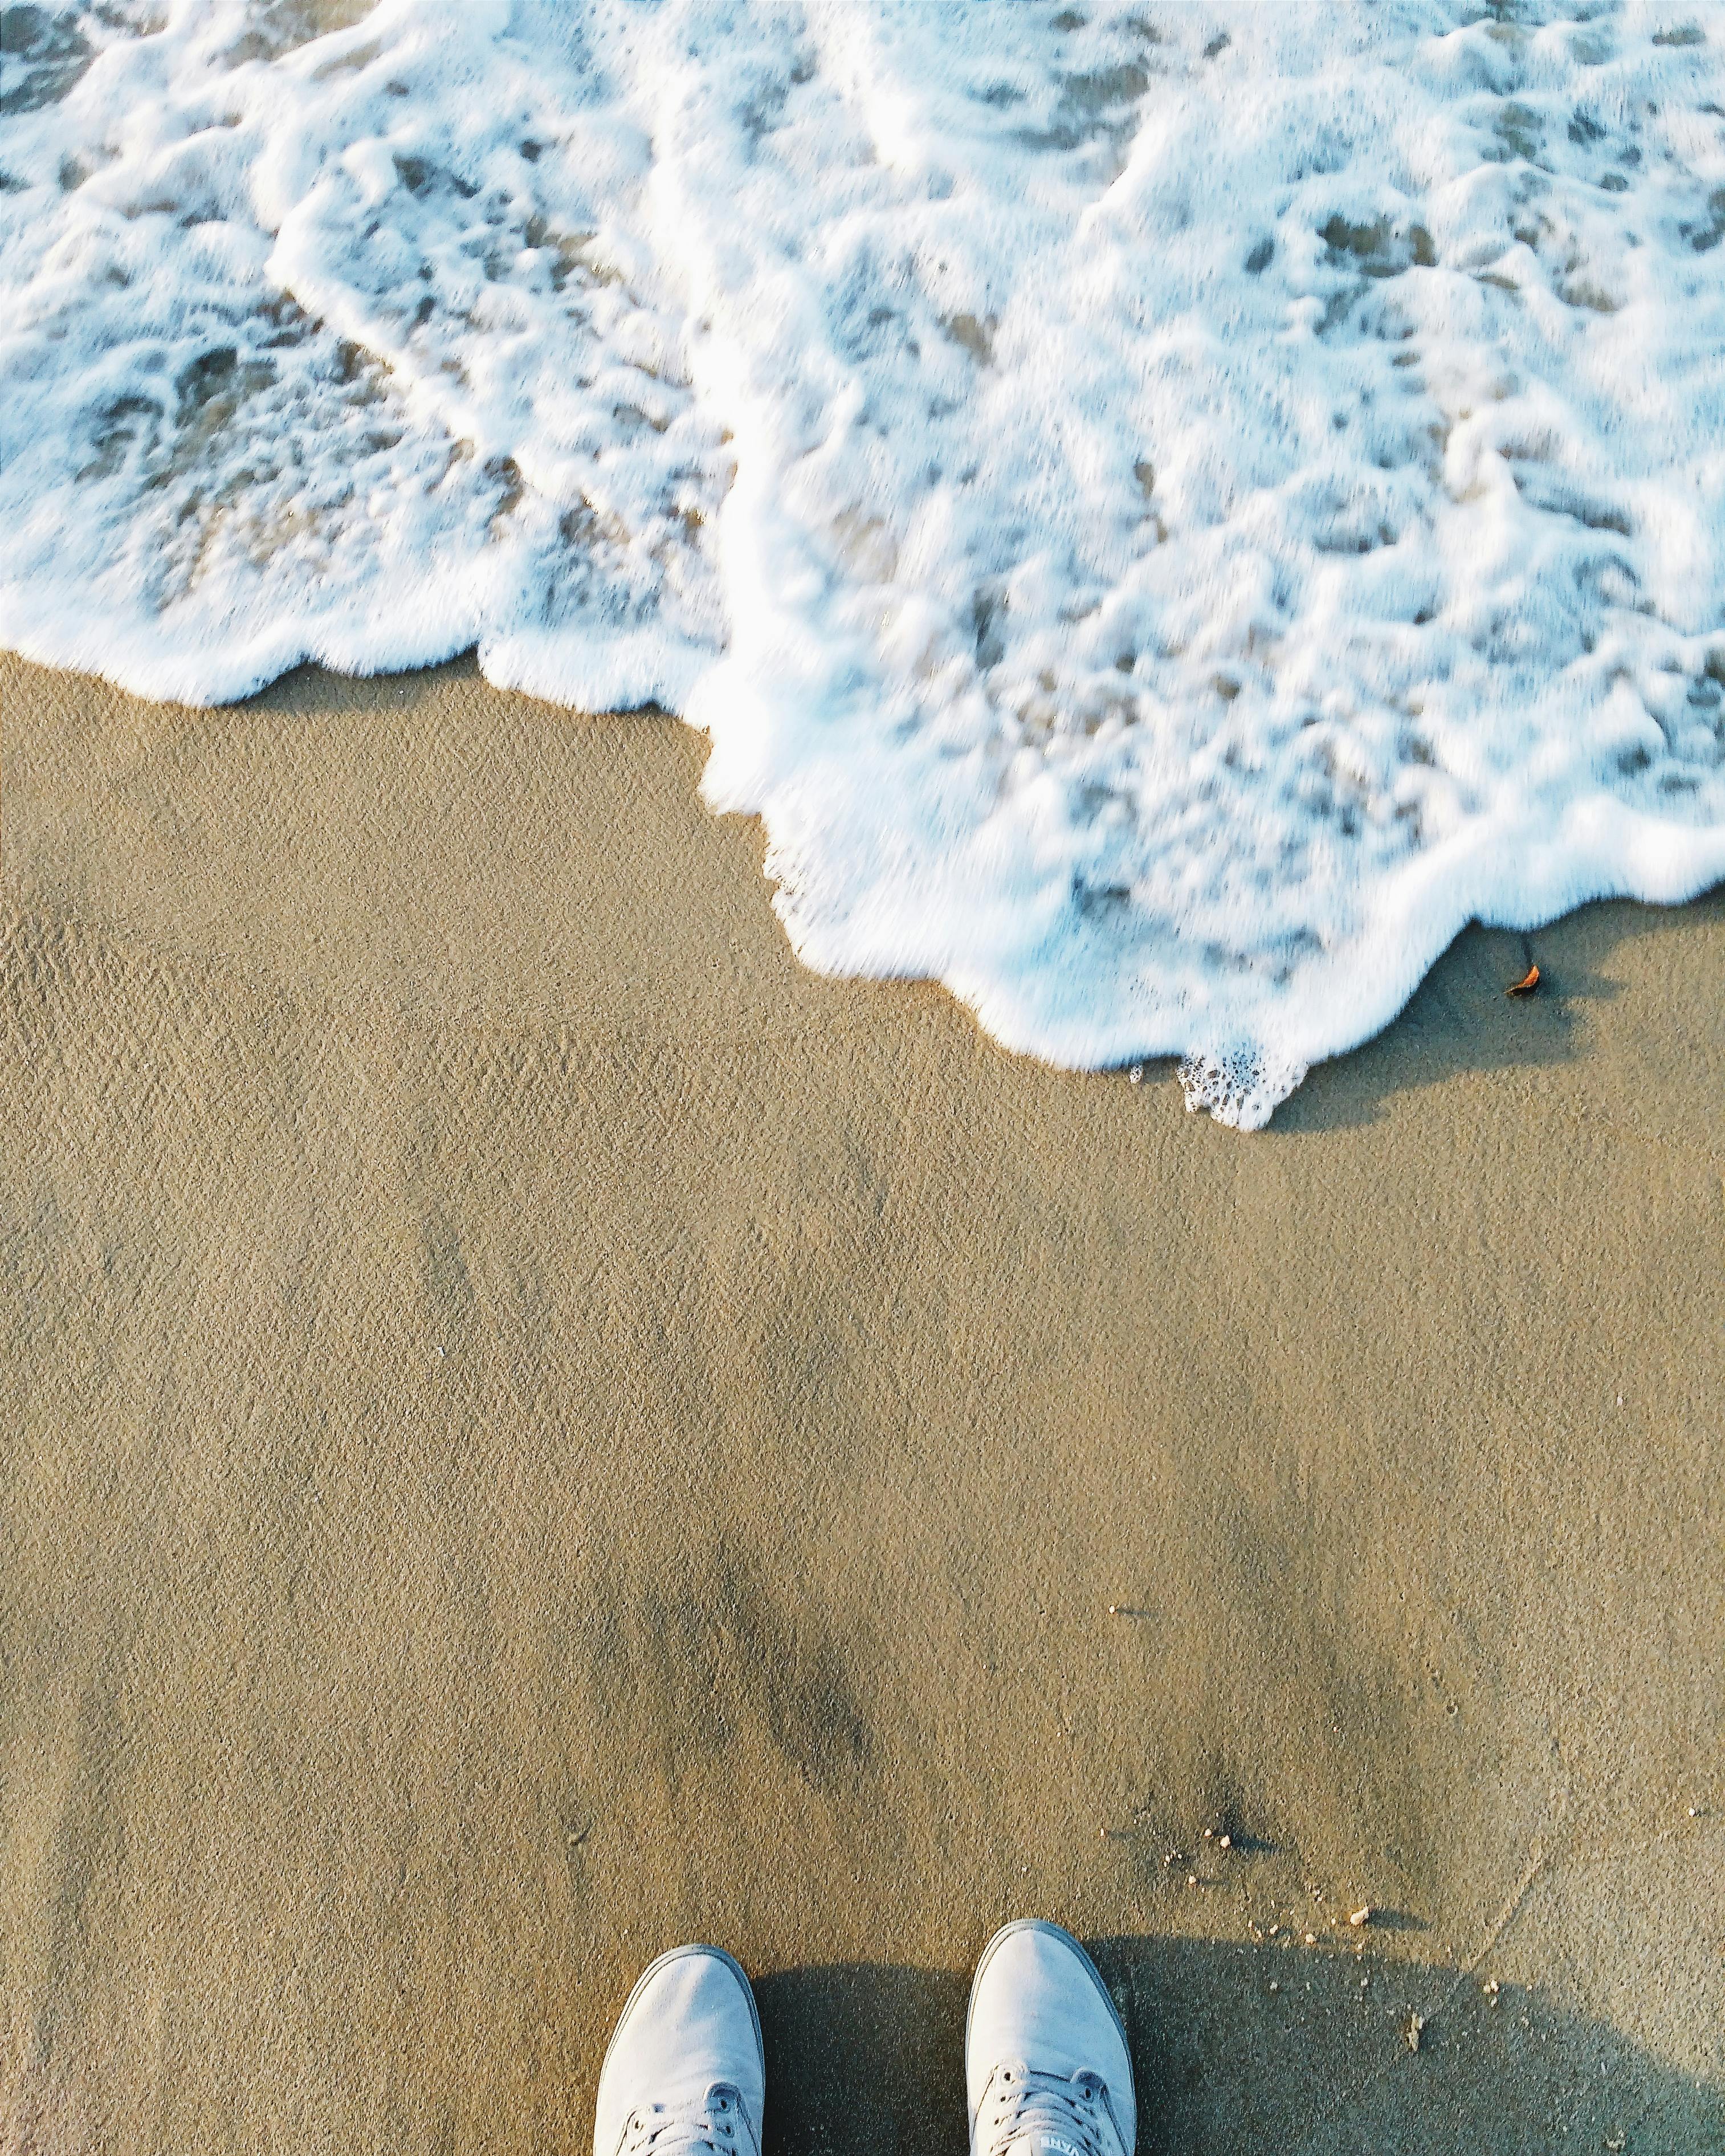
x=535, y=1428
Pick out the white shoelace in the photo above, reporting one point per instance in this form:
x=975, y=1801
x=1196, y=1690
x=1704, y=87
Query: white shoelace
x=715, y=2123
x=1019, y=2107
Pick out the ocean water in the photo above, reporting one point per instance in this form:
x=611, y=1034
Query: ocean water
x=1166, y=511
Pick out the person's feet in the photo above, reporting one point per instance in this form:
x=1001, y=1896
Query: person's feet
x=1047, y=2068
x=685, y=2070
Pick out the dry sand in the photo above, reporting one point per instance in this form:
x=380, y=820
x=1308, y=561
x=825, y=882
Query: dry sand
x=534, y=1429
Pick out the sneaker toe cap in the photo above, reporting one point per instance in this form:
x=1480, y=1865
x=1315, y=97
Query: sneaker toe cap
x=690, y=2022
x=1038, y=1998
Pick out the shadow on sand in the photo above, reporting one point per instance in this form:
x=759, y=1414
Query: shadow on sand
x=867, y=2058
x=1459, y=1017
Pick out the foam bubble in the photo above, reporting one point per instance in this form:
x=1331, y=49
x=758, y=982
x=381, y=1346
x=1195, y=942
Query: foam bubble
x=1165, y=512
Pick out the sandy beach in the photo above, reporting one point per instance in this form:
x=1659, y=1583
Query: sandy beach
x=534, y=1428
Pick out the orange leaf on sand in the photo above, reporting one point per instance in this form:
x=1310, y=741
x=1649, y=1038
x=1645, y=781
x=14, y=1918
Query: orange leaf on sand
x=1525, y=985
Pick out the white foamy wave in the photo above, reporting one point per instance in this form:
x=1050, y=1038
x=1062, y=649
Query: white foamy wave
x=1167, y=512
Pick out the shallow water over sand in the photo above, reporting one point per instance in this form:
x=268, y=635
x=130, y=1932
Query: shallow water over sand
x=1166, y=513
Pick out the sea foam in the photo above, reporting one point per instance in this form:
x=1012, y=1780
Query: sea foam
x=1166, y=511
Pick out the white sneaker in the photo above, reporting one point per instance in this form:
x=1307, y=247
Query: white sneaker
x=1046, y=2067
x=685, y=2070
